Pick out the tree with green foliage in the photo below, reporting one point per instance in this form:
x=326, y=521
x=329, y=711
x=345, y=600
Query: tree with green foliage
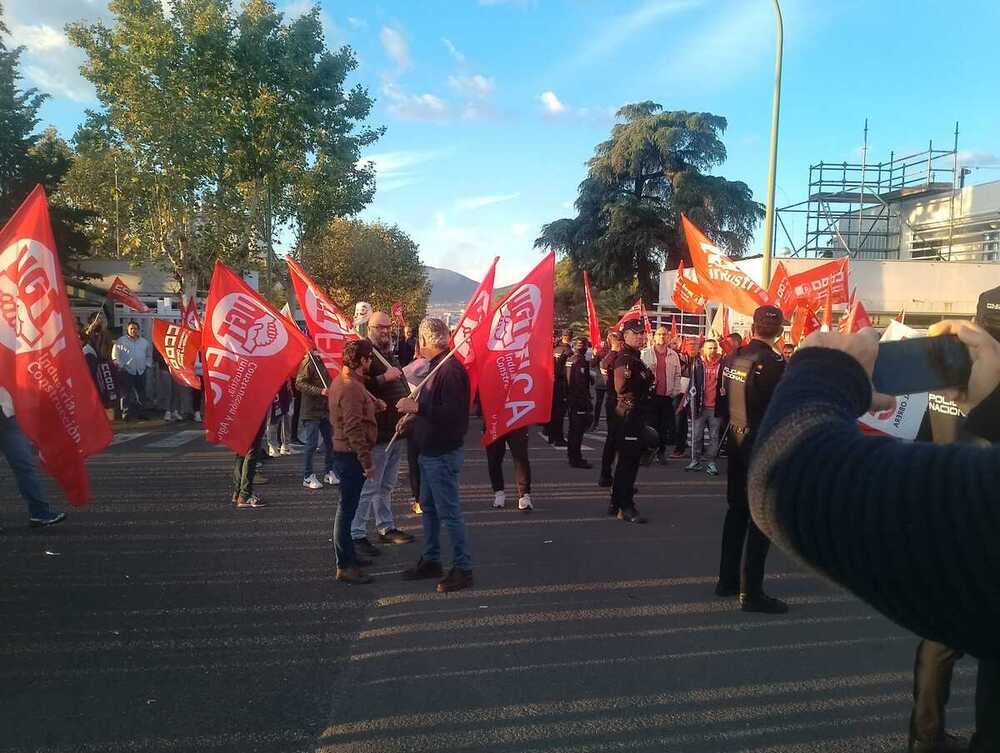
x=358, y=261
x=28, y=158
x=653, y=167
x=220, y=128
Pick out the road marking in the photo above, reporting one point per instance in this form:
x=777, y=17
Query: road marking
x=177, y=439
x=127, y=436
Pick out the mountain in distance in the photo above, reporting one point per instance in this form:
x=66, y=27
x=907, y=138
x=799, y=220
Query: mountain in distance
x=449, y=287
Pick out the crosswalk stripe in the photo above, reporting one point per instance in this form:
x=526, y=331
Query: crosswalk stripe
x=177, y=439
x=127, y=436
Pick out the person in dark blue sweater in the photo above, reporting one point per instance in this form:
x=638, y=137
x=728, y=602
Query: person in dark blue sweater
x=912, y=529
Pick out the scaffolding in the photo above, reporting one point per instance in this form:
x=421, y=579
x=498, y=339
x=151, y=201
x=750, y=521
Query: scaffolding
x=853, y=208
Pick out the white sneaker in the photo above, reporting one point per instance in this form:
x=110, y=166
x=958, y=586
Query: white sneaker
x=197, y=416
x=311, y=482
x=168, y=416
x=272, y=451
x=524, y=503
x=712, y=470
x=288, y=450
x=499, y=500
x=694, y=465
x=331, y=479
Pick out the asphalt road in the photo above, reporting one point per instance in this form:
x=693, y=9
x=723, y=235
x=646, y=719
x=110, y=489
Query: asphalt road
x=160, y=618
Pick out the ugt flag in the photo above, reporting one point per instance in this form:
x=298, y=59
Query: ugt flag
x=516, y=372
x=467, y=339
x=329, y=328
x=41, y=364
x=122, y=293
x=249, y=350
x=719, y=277
x=179, y=346
x=592, y=324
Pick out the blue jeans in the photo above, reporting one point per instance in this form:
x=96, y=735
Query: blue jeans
x=16, y=447
x=352, y=478
x=439, y=500
x=377, y=491
x=313, y=430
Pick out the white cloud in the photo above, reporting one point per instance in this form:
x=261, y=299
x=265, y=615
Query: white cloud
x=39, y=38
x=395, y=46
x=567, y=205
x=520, y=229
x=477, y=202
x=977, y=158
x=60, y=83
x=408, y=106
x=551, y=103
x=298, y=8
x=474, y=87
x=357, y=23
x=50, y=62
x=453, y=51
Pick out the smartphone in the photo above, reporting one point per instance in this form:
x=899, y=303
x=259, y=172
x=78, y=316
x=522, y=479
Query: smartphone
x=921, y=364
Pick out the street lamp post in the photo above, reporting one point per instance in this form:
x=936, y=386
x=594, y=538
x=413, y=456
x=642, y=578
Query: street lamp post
x=775, y=108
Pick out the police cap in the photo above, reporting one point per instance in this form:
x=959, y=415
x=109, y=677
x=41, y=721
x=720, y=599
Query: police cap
x=633, y=325
x=767, y=316
x=988, y=312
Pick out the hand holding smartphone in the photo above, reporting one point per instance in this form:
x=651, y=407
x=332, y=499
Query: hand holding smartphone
x=921, y=364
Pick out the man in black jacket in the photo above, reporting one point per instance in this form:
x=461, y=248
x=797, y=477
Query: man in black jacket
x=926, y=555
x=406, y=348
x=634, y=383
x=441, y=420
x=578, y=403
x=387, y=384
x=560, y=353
x=751, y=375
x=609, y=407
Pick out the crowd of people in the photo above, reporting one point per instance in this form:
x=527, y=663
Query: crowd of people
x=701, y=397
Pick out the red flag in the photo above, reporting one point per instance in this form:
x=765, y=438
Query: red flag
x=688, y=295
x=121, y=292
x=856, y=319
x=516, y=373
x=673, y=325
x=468, y=339
x=636, y=313
x=901, y=317
x=189, y=315
x=811, y=285
x=179, y=346
x=780, y=291
x=592, y=323
x=41, y=364
x=719, y=277
x=249, y=350
x=804, y=323
x=647, y=327
x=397, y=313
x=330, y=329
x=827, y=323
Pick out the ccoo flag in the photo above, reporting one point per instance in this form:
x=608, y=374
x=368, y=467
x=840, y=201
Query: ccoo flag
x=329, y=328
x=249, y=350
x=516, y=372
x=122, y=293
x=42, y=367
x=179, y=346
x=719, y=277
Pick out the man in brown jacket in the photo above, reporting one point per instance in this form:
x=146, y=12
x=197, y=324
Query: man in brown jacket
x=352, y=413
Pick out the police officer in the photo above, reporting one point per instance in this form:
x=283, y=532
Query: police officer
x=578, y=403
x=749, y=377
x=610, y=407
x=634, y=383
x=560, y=353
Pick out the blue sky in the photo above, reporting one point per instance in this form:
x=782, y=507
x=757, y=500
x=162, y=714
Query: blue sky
x=492, y=107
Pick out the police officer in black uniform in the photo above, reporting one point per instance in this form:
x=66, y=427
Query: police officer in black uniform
x=634, y=383
x=560, y=353
x=610, y=407
x=750, y=377
x=578, y=403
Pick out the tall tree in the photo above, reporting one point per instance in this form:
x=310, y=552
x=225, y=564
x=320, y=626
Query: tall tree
x=358, y=261
x=223, y=126
x=28, y=158
x=653, y=167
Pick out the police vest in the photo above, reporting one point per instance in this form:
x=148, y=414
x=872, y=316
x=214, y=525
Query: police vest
x=737, y=373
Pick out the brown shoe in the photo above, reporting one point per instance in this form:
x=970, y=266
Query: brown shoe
x=423, y=569
x=353, y=575
x=241, y=502
x=455, y=580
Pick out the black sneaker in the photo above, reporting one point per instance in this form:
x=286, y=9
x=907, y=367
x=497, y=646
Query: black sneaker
x=362, y=562
x=604, y=481
x=721, y=589
x=49, y=520
x=612, y=510
x=423, y=569
x=395, y=536
x=365, y=547
x=630, y=515
x=561, y=443
x=455, y=580
x=762, y=603
x=580, y=464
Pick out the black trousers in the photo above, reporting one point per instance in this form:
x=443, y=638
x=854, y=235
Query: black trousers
x=245, y=468
x=413, y=467
x=744, y=547
x=680, y=425
x=610, y=441
x=580, y=419
x=600, y=397
x=629, y=450
x=663, y=419
x=518, y=443
x=555, y=431
x=933, y=669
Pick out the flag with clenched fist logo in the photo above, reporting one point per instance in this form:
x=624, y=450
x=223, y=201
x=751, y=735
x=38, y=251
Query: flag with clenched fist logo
x=42, y=367
x=248, y=350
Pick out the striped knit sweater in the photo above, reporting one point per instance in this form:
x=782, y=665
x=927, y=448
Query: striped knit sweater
x=913, y=529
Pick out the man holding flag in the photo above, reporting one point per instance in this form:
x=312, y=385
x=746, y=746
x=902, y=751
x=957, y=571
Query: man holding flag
x=17, y=449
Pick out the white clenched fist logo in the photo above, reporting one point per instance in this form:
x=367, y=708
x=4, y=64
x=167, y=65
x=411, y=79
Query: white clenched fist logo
x=243, y=326
x=29, y=317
